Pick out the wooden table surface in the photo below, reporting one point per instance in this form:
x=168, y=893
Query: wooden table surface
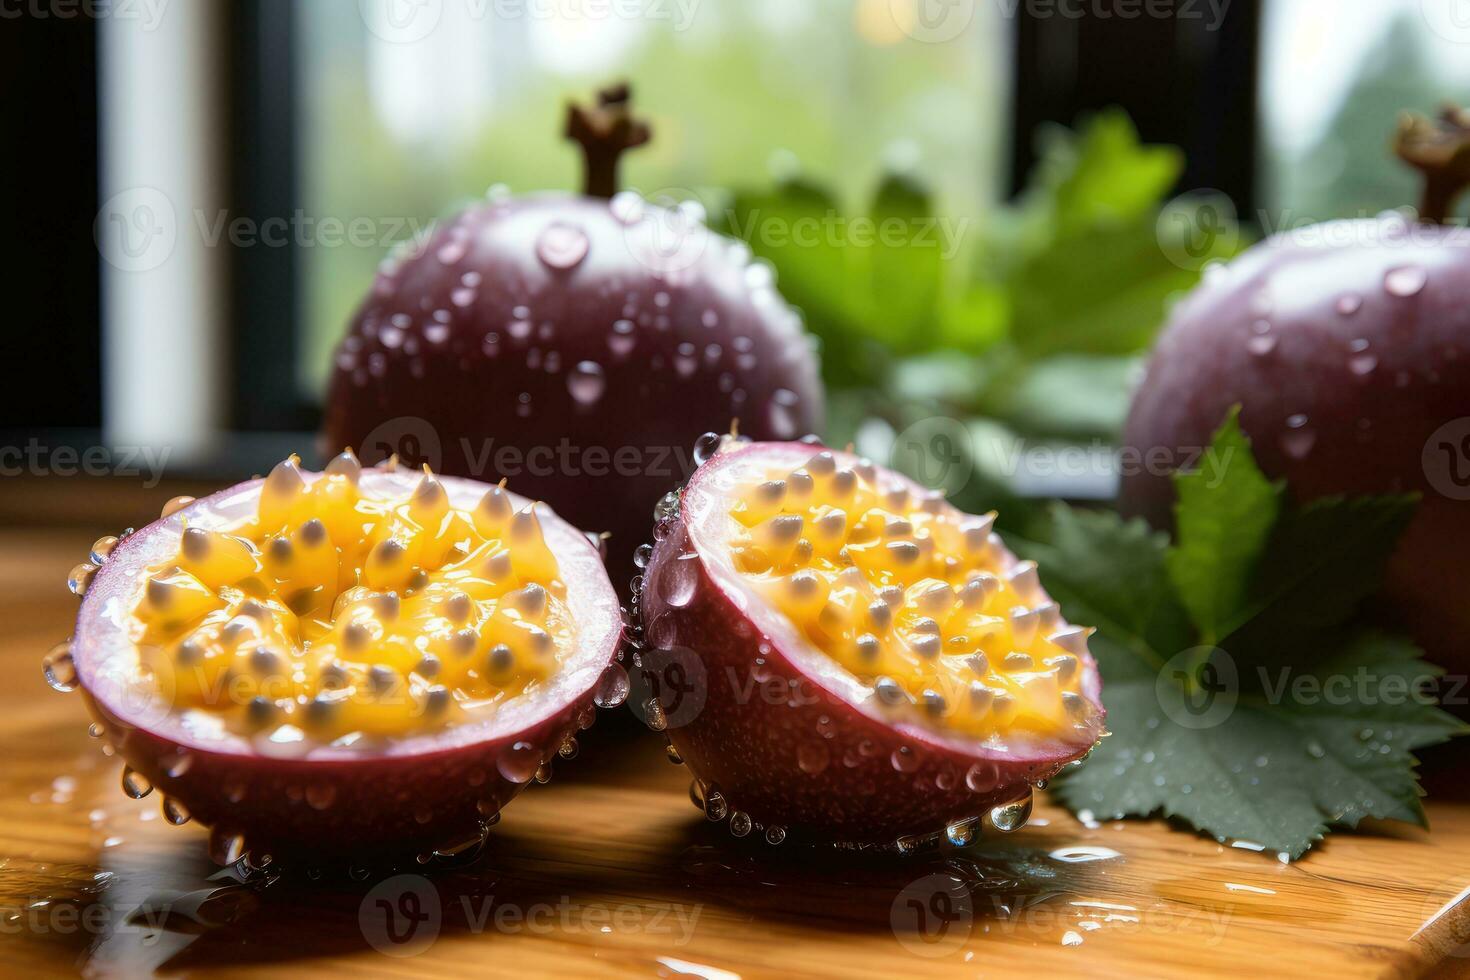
x=610, y=870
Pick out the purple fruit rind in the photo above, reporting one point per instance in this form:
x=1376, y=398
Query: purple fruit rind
x=760, y=752
x=414, y=794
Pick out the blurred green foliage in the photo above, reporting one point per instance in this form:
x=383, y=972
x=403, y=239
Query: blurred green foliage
x=1023, y=330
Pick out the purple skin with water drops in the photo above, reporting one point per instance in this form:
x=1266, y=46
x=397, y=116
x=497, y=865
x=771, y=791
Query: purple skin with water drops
x=788, y=739
x=576, y=346
x=1347, y=346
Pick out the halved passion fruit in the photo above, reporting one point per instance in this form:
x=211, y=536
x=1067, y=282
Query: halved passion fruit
x=839, y=653
x=343, y=663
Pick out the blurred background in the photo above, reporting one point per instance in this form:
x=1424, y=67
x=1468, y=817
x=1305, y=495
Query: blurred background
x=200, y=190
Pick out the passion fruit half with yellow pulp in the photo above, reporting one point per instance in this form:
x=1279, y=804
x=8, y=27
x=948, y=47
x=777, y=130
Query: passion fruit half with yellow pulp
x=840, y=654
x=343, y=664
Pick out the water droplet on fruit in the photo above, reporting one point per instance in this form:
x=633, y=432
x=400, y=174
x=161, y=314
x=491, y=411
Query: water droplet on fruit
x=518, y=763
x=715, y=806
x=60, y=668
x=782, y=414
x=961, y=833
x=622, y=340
x=436, y=333
x=1298, y=440
x=179, y=765
x=79, y=579
x=1405, y=280
x=1363, y=364
x=673, y=754
x=775, y=834
x=680, y=580
x=612, y=687
x=1261, y=345
x=740, y=823
x=586, y=383
x=982, y=777
x=562, y=246
x=1349, y=303
x=642, y=554
x=904, y=759
x=653, y=713
x=102, y=549
x=1010, y=817
x=135, y=784
x=813, y=758
x=627, y=207
x=452, y=252
x=175, y=812
x=705, y=448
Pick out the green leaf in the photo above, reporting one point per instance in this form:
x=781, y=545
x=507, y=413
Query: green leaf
x=1322, y=560
x=1290, y=761
x=1103, y=290
x=1225, y=512
x=975, y=319
x=1272, y=753
x=791, y=226
x=907, y=265
x=1103, y=173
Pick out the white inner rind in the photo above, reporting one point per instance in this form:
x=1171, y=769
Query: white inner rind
x=109, y=668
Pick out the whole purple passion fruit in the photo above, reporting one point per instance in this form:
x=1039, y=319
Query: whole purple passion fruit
x=1347, y=346
x=577, y=345
x=346, y=664
x=841, y=655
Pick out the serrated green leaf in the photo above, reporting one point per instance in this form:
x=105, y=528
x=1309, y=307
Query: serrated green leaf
x=1322, y=560
x=1288, y=762
x=1291, y=748
x=1224, y=515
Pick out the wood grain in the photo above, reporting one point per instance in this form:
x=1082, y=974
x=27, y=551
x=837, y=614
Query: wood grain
x=610, y=870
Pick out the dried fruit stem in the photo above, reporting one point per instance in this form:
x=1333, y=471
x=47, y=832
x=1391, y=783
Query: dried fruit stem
x=606, y=131
x=1438, y=148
